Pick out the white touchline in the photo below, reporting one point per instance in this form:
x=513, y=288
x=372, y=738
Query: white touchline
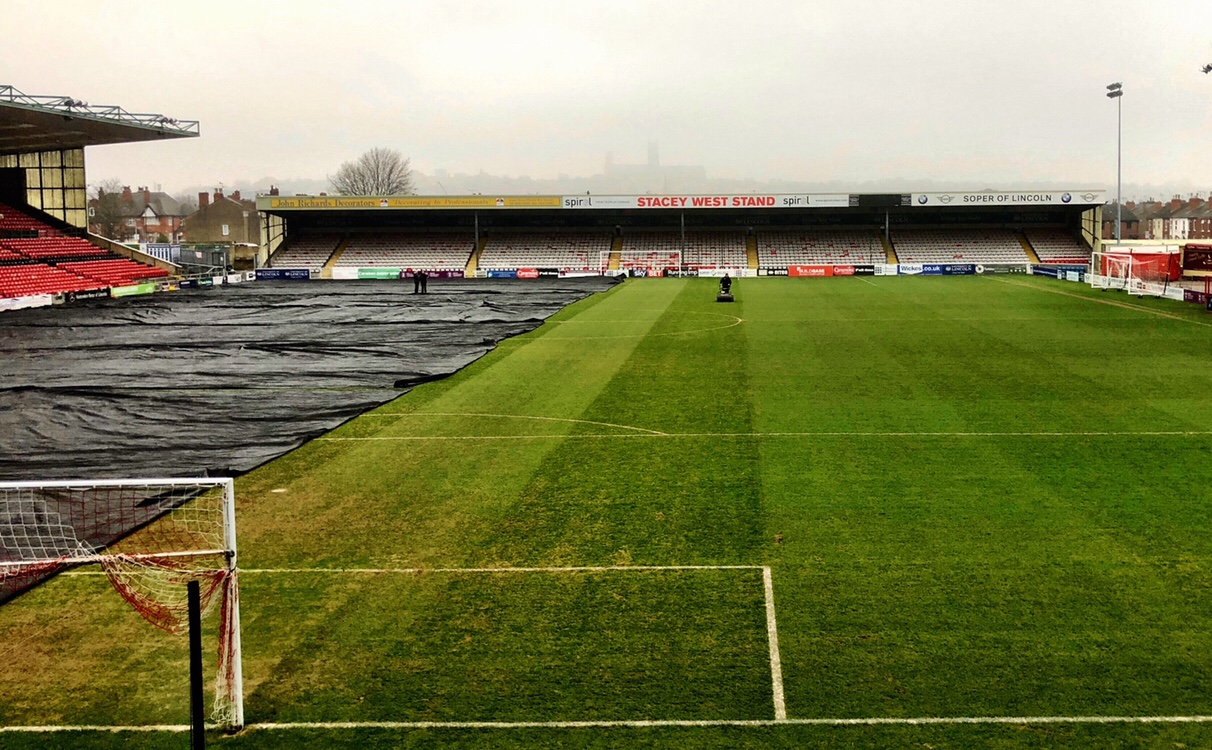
x=550, y=569
x=772, y=632
x=668, y=435
x=636, y=723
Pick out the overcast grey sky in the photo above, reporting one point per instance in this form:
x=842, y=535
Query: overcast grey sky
x=980, y=91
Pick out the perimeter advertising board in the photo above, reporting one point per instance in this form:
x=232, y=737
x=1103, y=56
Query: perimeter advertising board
x=132, y=290
x=283, y=274
x=1012, y=198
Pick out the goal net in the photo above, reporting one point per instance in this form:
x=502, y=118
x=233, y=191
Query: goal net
x=1134, y=274
x=150, y=537
x=653, y=262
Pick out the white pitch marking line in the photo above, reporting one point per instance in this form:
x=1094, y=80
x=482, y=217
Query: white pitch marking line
x=456, y=571
x=515, y=416
x=654, y=434
x=639, y=723
x=776, y=663
x=552, y=569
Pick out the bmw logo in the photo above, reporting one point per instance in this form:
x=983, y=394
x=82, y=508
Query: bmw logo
x=1065, y=198
x=922, y=199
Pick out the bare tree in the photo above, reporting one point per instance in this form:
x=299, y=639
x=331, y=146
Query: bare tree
x=379, y=171
x=107, y=217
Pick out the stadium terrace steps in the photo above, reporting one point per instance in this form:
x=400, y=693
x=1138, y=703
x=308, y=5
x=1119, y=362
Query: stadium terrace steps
x=310, y=251
x=1030, y=251
x=334, y=259
x=474, y=259
x=889, y=250
x=751, y=251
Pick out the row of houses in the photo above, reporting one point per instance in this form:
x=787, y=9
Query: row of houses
x=1176, y=219
x=145, y=215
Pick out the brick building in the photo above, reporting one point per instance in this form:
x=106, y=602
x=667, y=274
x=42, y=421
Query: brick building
x=1131, y=222
x=223, y=219
x=146, y=214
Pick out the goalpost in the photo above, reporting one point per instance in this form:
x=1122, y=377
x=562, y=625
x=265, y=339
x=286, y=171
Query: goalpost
x=1131, y=273
x=650, y=261
x=150, y=537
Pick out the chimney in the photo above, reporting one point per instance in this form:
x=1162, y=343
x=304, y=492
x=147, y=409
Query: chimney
x=1195, y=202
x=1130, y=205
x=1176, y=204
x=127, y=196
x=203, y=200
x=235, y=195
x=273, y=189
x=218, y=194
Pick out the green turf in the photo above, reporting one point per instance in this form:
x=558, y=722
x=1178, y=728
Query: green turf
x=915, y=574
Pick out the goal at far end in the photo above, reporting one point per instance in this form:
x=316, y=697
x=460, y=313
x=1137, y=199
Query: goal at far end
x=150, y=537
x=1133, y=273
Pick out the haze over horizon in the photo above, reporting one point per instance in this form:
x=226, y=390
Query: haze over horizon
x=531, y=96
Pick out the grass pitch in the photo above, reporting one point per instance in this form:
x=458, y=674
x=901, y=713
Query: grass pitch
x=978, y=497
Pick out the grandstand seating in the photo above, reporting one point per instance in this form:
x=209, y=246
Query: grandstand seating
x=38, y=278
x=14, y=221
x=36, y=258
x=704, y=249
x=1058, y=247
x=114, y=271
x=50, y=249
x=566, y=251
x=428, y=251
x=819, y=246
x=306, y=251
x=958, y=246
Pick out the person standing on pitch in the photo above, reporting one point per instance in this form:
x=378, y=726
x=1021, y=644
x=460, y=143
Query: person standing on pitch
x=416, y=280
x=424, y=282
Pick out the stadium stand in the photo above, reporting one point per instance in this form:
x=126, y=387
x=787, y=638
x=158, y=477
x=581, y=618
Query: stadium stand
x=430, y=251
x=38, y=278
x=825, y=246
x=566, y=251
x=51, y=249
x=958, y=246
x=1056, y=246
x=704, y=249
x=307, y=251
x=14, y=223
x=36, y=258
x=114, y=271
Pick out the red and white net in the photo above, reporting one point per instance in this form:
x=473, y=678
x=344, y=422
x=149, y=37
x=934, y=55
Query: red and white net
x=151, y=538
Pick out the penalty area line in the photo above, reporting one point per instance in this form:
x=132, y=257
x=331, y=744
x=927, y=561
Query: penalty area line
x=637, y=723
x=772, y=634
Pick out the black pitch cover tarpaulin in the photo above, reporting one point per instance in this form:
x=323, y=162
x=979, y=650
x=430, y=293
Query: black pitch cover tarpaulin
x=215, y=382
